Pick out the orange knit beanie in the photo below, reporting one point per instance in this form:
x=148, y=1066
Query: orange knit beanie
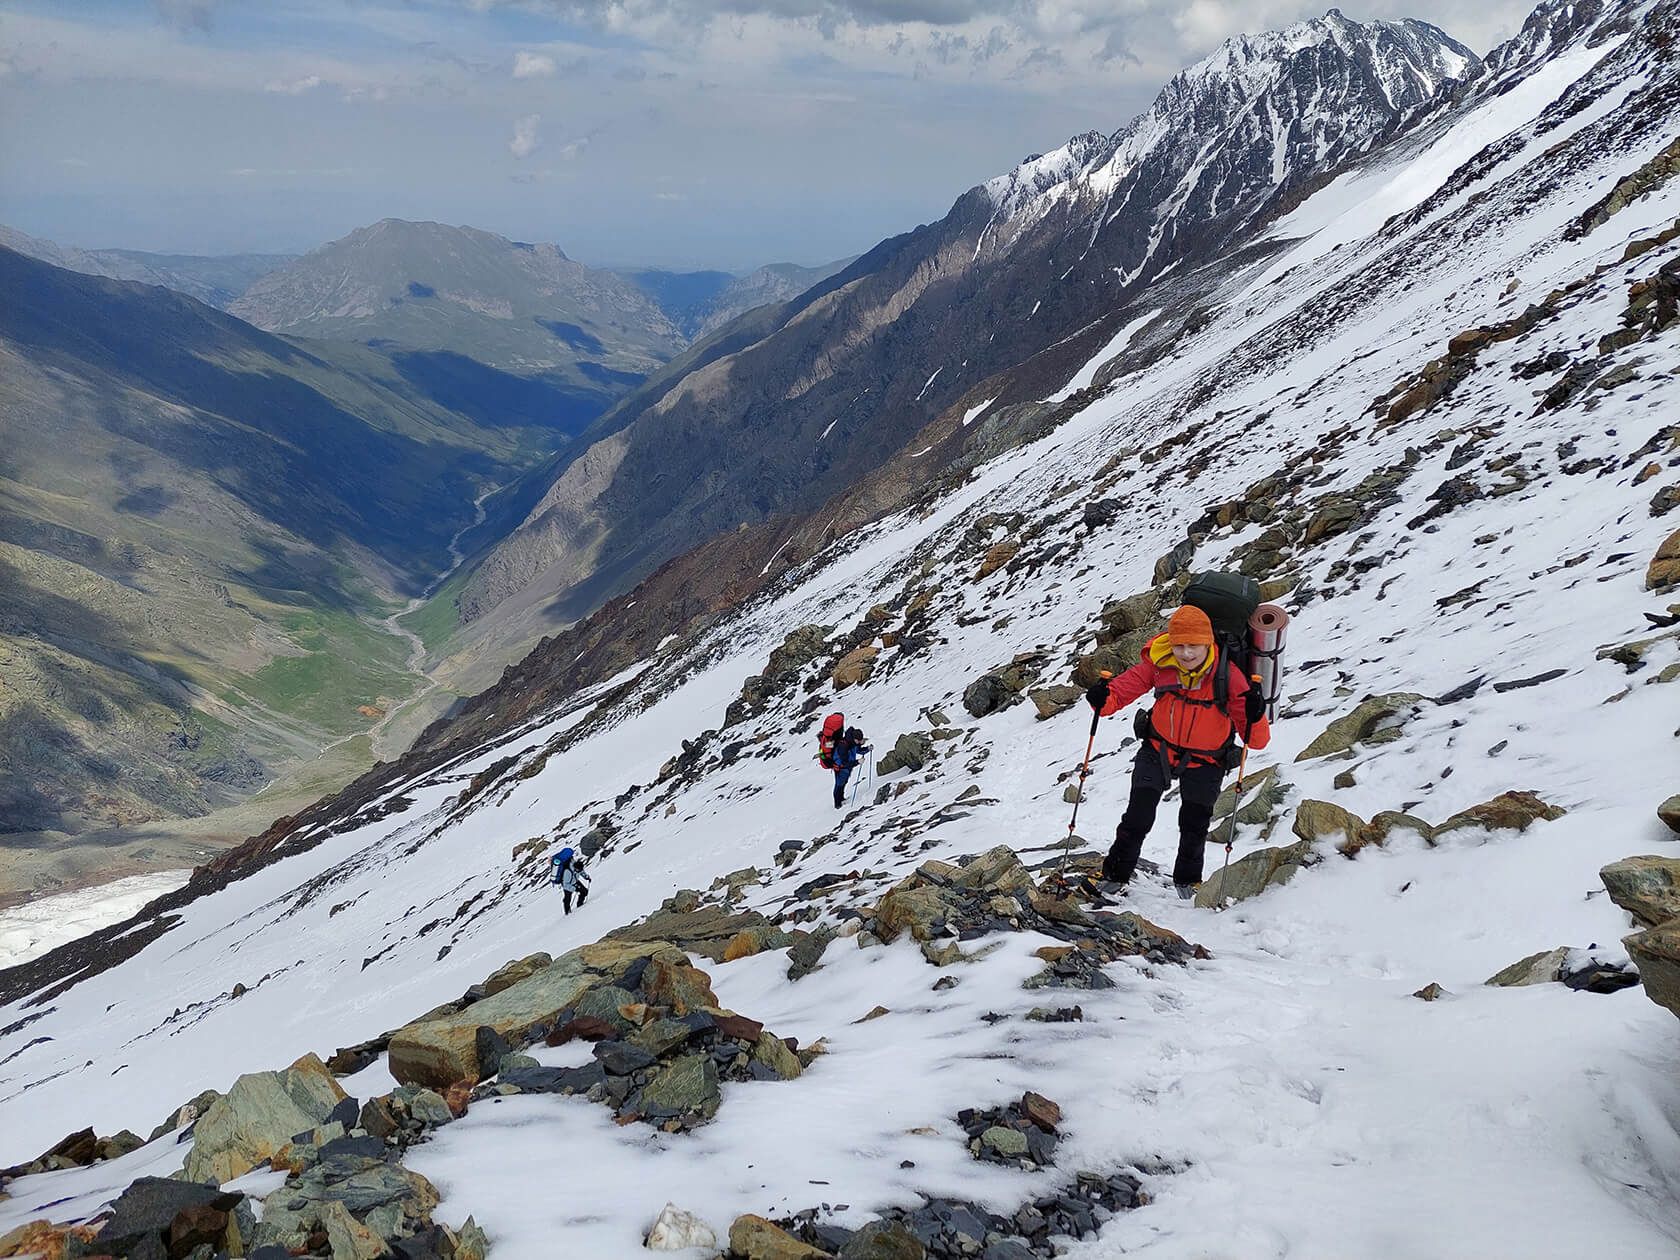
x=1189, y=625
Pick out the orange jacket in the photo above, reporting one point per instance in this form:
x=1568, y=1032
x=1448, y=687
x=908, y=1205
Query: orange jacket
x=1186, y=721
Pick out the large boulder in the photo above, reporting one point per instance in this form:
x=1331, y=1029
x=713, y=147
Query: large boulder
x=1664, y=570
x=1648, y=888
x=912, y=751
x=510, y=974
x=704, y=930
x=800, y=647
x=438, y=1052
x=996, y=557
x=1376, y=720
x=1541, y=968
x=998, y=688
x=158, y=1216
x=921, y=911
x=1657, y=953
x=258, y=1116
x=1323, y=820
x=1669, y=812
x=1250, y=875
x=754, y=1238
x=856, y=666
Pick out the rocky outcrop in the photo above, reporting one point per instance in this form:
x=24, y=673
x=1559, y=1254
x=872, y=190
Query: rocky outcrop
x=439, y=1052
x=942, y=903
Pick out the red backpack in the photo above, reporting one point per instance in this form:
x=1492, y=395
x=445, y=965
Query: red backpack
x=832, y=726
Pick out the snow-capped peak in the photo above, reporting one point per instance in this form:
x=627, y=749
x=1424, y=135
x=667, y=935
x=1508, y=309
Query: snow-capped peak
x=1308, y=94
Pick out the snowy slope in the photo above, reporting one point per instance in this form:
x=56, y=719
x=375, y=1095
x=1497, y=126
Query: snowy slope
x=1285, y=1097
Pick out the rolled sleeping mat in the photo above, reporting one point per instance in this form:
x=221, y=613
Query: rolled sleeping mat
x=1266, y=633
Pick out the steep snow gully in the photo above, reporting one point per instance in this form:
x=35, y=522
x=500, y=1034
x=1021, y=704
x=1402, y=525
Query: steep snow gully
x=1446, y=431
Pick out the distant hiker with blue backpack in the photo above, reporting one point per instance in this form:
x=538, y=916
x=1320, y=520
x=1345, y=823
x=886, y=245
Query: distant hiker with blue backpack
x=1205, y=700
x=840, y=748
x=568, y=872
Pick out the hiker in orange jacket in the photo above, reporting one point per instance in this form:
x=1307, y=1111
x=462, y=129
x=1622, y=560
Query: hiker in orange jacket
x=1189, y=736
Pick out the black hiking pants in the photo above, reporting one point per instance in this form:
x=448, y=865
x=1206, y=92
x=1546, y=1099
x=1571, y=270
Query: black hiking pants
x=1198, y=790
x=566, y=898
x=841, y=775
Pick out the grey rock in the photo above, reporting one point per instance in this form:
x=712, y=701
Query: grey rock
x=1541, y=968
x=912, y=750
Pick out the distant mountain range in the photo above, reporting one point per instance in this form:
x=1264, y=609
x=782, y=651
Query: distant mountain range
x=216, y=281
x=517, y=307
x=700, y=302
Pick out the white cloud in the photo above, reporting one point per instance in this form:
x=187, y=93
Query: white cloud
x=293, y=87
x=71, y=161
x=527, y=65
x=573, y=149
x=670, y=196
x=525, y=139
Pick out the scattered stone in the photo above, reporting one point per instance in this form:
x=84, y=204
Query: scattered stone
x=1542, y=968
x=676, y=1229
x=1010, y=1136
x=1049, y=701
x=1376, y=720
x=1430, y=992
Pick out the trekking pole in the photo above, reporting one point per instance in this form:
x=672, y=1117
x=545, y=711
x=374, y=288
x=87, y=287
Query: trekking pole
x=1231, y=831
x=1079, y=795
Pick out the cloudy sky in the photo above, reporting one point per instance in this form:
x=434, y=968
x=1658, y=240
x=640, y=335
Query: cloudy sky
x=686, y=133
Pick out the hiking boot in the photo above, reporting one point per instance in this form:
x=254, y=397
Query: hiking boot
x=1186, y=891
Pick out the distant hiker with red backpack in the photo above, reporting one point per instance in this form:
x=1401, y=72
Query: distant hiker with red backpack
x=1203, y=702
x=840, y=748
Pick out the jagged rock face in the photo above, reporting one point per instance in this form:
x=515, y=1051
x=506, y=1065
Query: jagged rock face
x=1252, y=119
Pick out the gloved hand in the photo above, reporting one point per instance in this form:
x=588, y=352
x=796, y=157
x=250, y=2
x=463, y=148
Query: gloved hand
x=1096, y=695
x=1256, y=704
